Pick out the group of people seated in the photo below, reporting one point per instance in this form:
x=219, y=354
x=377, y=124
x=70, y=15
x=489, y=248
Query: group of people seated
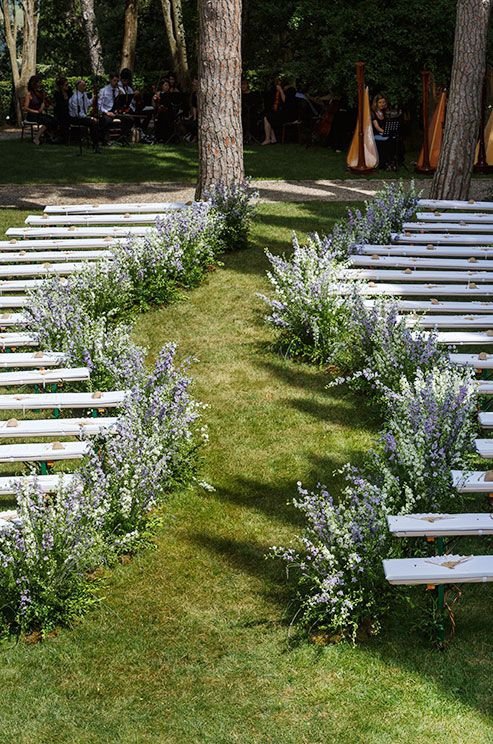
x=115, y=108
x=118, y=108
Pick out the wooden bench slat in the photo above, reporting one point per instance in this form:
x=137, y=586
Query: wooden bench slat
x=62, y=268
x=32, y=256
x=449, y=227
x=116, y=207
x=33, y=360
x=415, y=262
x=78, y=232
x=474, y=481
x=384, y=289
x=42, y=452
x=13, y=319
x=94, y=219
x=451, y=321
x=17, y=339
x=30, y=401
x=484, y=447
x=52, y=244
x=408, y=250
x=471, y=570
x=69, y=427
x=440, y=525
x=437, y=306
x=46, y=483
x=471, y=204
x=430, y=238
x=416, y=275
x=473, y=218
x=472, y=360
x=46, y=377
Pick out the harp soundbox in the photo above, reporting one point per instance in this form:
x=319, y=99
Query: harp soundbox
x=362, y=156
x=432, y=131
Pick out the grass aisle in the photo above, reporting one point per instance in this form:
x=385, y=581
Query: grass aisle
x=190, y=645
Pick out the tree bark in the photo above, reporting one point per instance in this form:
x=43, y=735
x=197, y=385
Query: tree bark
x=175, y=31
x=27, y=67
x=92, y=37
x=130, y=34
x=452, y=178
x=220, y=136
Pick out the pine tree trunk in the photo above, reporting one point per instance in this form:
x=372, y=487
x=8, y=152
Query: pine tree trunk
x=92, y=37
x=453, y=175
x=130, y=34
x=175, y=31
x=220, y=134
x=182, y=71
x=21, y=73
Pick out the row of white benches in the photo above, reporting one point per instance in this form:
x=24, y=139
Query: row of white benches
x=445, y=569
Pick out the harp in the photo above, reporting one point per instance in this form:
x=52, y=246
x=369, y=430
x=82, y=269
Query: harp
x=362, y=156
x=432, y=130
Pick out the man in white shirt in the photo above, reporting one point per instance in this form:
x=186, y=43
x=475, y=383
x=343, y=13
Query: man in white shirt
x=78, y=108
x=107, y=105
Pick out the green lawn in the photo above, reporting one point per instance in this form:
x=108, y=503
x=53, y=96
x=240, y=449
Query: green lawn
x=24, y=163
x=191, y=644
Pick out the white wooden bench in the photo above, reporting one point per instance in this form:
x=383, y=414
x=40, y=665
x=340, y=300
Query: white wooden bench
x=43, y=452
x=477, y=361
x=51, y=244
x=13, y=319
x=419, y=290
x=464, y=218
x=32, y=256
x=32, y=360
x=13, y=340
x=94, y=219
x=430, y=238
x=33, y=401
x=10, y=301
x=486, y=419
x=448, y=227
x=484, y=447
x=116, y=208
x=441, y=525
x=375, y=261
x=19, y=285
x=78, y=232
x=443, y=569
x=435, y=306
x=44, y=376
x=415, y=275
x=475, y=481
x=62, y=268
x=484, y=387
x=464, y=338
x=7, y=519
x=471, y=204
x=61, y=427
x=451, y=321
x=430, y=250
x=46, y=483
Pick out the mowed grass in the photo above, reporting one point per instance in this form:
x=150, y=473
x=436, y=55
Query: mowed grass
x=24, y=163
x=191, y=642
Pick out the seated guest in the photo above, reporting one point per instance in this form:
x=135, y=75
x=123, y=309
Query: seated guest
x=34, y=108
x=60, y=107
x=164, y=113
x=108, y=106
x=78, y=106
x=126, y=91
x=378, y=108
x=273, y=117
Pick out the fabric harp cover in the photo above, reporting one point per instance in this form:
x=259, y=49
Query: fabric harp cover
x=488, y=141
x=370, y=147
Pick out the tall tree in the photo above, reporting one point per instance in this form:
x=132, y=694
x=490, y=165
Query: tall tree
x=130, y=34
x=453, y=175
x=23, y=69
x=175, y=31
x=220, y=132
x=92, y=37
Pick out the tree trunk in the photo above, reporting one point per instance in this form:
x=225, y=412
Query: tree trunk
x=453, y=175
x=27, y=67
x=175, y=31
x=219, y=97
x=130, y=34
x=92, y=37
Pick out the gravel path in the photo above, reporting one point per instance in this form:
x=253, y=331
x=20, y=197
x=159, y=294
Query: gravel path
x=36, y=196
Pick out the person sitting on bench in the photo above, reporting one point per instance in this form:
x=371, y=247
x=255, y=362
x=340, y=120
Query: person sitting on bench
x=79, y=105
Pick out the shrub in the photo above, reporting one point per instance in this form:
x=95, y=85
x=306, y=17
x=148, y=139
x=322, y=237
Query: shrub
x=152, y=449
x=339, y=564
x=309, y=315
x=45, y=556
x=234, y=204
